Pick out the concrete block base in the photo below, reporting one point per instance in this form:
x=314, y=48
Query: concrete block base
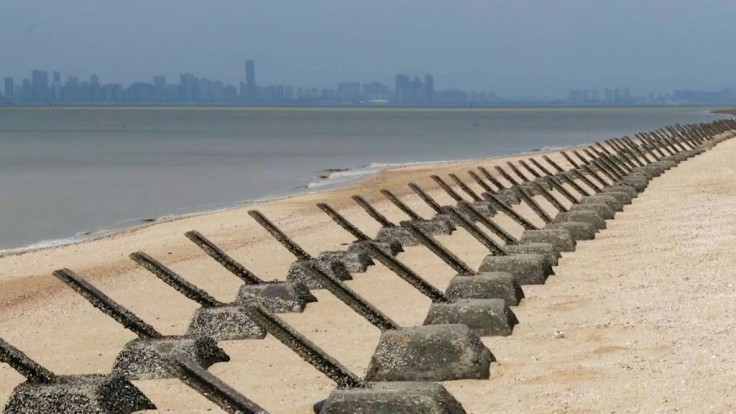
x=278, y=297
x=631, y=191
x=398, y=234
x=224, y=323
x=528, y=269
x=638, y=181
x=650, y=171
x=508, y=196
x=354, y=262
x=578, y=230
x=485, y=317
x=78, y=394
x=301, y=272
x=582, y=216
x=492, y=285
x=394, y=398
x=546, y=249
x=430, y=353
x=391, y=248
x=602, y=209
x=560, y=238
x=143, y=359
x=435, y=226
x=609, y=199
x=623, y=197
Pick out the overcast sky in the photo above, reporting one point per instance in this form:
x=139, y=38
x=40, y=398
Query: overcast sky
x=515, y=47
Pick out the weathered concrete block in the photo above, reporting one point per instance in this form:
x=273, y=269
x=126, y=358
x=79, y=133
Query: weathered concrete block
x=78, y=394
x=528, y=269
x=393, y=398
x=509, y=196
x=301, y=272
x=666, y=164
x=485, y=209
x=578, y=230
x=650, y=171
x=582, y=216
x=602, y=209
x=397, y=234
x=546, y=249
x=531, y=189
x=391, y=248
x=622, y=197
x=603, y=198
x=436, y=225
x=278, y=297
x=224, y=323
x=430, y=353
x=491, y=285
x=354, y=262
x=638, y=181
x=485, y=317
x=143, y=359
x=631, y=191
x=560, y=238
x=545, y=183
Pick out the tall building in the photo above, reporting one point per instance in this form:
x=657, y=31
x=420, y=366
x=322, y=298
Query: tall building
x=251, y=90
x=349, y=91
x=428, y=88
x=95, y=90
x=56, y=87
x=159, y=88
x=402, y=88
x=72, y=89
x=9, y=90
x=26, y=93
x=187, y=87
x=40, y=86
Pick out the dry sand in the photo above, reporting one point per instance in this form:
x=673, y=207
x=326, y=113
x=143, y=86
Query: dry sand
x=647, y=308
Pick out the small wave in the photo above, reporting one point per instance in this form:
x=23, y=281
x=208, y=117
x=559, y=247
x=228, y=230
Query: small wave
x=343, y=176
x=45, y=244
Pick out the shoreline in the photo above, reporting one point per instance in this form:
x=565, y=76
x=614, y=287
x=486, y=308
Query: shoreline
x=322, y=185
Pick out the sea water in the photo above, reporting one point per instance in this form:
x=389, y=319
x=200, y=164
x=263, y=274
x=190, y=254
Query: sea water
x=66, y=172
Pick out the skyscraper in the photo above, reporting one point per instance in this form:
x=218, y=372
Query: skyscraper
x=159, y=88
x=187, y=87
x=428, y=88
x=55, y=91
x=9, y=90
x=39, y=86
x=402, y=88
x=95, y=90
x=251, y=90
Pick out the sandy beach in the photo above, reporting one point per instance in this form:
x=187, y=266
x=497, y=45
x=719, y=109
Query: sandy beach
x=646, y=307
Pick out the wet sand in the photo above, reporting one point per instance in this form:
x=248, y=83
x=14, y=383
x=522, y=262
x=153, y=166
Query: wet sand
x=647, y=308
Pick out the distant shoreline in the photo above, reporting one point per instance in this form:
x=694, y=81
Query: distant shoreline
x=377, y=107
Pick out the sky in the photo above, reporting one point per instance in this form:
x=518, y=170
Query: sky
x=540, y=48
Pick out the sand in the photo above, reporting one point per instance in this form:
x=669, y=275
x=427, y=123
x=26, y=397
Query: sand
x=646, y=309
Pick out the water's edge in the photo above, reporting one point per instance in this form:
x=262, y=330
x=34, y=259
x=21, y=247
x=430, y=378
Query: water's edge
x=337, y=178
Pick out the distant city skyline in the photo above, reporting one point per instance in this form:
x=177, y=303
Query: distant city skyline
x=190, y=89
x=524, y=48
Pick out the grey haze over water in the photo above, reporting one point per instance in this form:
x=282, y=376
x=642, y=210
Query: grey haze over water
x=516, y=48
x=69, y=170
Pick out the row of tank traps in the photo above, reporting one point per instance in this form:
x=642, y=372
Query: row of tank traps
x=409, y=362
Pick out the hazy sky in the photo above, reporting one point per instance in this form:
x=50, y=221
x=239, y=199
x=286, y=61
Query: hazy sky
x=515, y=47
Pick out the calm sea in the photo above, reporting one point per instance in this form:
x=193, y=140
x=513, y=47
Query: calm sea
x=68, y=171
